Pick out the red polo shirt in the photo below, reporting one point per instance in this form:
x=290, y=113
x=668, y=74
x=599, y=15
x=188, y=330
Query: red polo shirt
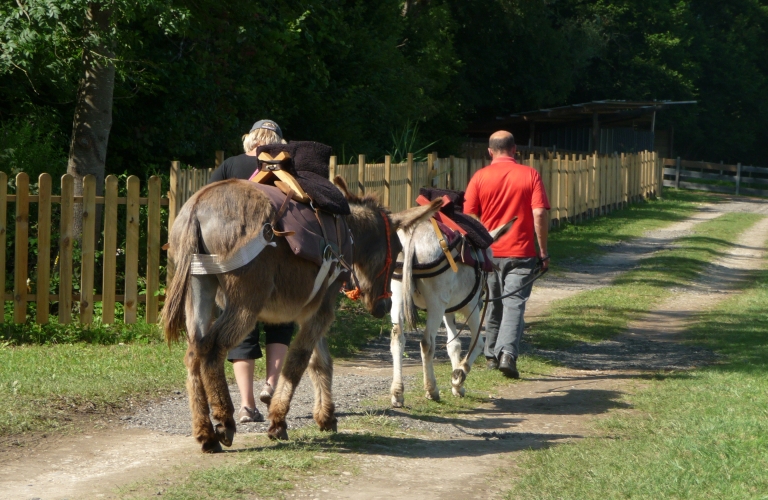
x=502, y=190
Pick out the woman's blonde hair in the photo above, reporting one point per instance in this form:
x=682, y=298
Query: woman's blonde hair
x=260, y=137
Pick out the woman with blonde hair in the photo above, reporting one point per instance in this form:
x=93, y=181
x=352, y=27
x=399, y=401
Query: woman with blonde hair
x=278, y=337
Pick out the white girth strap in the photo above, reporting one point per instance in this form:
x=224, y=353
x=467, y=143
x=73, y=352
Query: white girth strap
x=214, y=264
x=325, y=271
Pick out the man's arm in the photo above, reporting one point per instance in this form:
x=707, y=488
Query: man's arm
x=541, y=225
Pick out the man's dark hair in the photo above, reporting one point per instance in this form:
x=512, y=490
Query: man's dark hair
x=504, y=143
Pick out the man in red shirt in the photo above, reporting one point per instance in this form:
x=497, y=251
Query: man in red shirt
x=495, y=195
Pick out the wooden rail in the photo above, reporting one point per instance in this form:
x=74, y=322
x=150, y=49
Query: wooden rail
x=715, y=177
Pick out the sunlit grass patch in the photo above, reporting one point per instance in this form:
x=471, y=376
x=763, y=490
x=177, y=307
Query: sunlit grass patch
x=600, y=314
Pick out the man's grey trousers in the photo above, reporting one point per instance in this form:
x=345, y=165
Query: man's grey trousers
x=504, y=326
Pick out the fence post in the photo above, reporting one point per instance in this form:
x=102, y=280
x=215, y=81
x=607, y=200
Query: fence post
x=677, y=173
x=219, y=158
x=409, y=183
x=738, y=177
x=153, y=248
x=173, y=194
x=110, y=248
x=332, y=169
x=66, y=237
x=87, y=255
x=43, y=247
x=3, y=229
x=361, y=175
x=21, y=249
x=131, y=250
x=451, y=167
x=387, y=178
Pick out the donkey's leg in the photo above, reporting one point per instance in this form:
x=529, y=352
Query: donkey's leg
x=199, y=313
x=321, y=373
x=461, y=370
x=310, y=332
x=454, y=352
x=229, y=329
x=397, y=345
x=428, y=342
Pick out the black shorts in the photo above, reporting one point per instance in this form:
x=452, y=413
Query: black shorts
x=249, y=348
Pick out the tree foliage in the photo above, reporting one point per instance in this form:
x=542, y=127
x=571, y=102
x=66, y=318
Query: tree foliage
x=193, y=76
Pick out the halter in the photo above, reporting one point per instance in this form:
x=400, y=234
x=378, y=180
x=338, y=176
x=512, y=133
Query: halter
x=355, y=293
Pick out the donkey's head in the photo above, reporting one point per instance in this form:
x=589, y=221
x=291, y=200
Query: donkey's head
x=374, y=230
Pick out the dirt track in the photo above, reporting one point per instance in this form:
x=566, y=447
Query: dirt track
x=456, y=457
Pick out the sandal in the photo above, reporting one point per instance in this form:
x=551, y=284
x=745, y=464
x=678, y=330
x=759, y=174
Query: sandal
x=266, y=394
x=246, y=415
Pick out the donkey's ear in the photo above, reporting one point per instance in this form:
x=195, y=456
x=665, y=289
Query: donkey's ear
x=407, y=218
x=342, y=185
x=500, y=231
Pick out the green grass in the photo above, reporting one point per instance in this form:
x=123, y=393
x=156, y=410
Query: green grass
x=264, y=469
x=43, y=387
x=585, y=241
x=698, y=434
x=600, y=314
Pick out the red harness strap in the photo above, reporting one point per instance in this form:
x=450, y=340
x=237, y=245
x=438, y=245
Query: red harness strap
x=355, y=293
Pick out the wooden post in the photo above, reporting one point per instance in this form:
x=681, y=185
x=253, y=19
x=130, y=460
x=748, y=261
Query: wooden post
x=332, y=168
x=219, y=158
x=153, y=248
x=131, y=250
x=3, y=230
x=88, y=253
x=66, y=238
x=387, y=179
x=110, y=249
x=449, y=182
x=361, y=175
x=43, y=248
x=677, y=173
x=469, y=173
x=21, y=249
x=409, y=183
x=738, y=177
x=173, y=194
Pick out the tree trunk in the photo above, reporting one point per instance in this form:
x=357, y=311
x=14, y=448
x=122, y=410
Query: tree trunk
x=93, y=114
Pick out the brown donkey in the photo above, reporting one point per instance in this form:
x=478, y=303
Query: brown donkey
x=275, y=287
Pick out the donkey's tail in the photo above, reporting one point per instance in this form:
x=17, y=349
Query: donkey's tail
x=183, y=246
x=409, y=310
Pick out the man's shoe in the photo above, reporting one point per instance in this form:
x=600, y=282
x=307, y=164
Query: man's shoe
x=508, y=365
x=246, y=415
x=492, y=364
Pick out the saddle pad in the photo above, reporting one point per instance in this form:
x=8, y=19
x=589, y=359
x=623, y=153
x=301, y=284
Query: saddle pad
x=307, y=241
x=470, y=254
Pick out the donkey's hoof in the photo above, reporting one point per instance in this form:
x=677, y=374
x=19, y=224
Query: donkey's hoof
x=330, y=425
x=212, y=447
x=458, y=392
x=458, y=377
x=397, y=402
x=434, y=396
x=224, y=435
x=278, y=432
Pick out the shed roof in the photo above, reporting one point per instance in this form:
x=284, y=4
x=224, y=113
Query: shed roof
x=587, y=109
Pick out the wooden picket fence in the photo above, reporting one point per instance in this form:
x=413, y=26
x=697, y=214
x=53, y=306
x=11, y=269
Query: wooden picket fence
x=24, y=291
x=579, y=186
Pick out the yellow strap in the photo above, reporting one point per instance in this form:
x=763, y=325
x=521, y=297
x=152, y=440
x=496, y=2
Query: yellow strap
x=444, y=246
